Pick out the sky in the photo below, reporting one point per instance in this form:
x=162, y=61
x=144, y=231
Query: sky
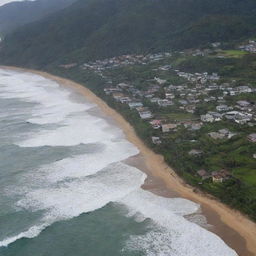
x=2, y=2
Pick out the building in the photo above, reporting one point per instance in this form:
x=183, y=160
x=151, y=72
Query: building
x=118, y=95
x=195, y=152
x=168, y=127
x=252, y=137
x=156, y=140
x=207, y=118
x=216, y=135
x=169, y=95
x=135, y=104
x=156, y=124
x=160, y=81
x=125, y=99
x=164, y=103
x=67, y=66
x=221, y=108
x=220, y=176
x=144, y=113
x=243, y=103
x=217, y=178
x=203, y=174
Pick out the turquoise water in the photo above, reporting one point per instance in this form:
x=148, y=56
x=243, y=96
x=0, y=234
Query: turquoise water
x=65, y=189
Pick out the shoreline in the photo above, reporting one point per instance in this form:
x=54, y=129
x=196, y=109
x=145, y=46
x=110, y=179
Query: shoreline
x=235, y=229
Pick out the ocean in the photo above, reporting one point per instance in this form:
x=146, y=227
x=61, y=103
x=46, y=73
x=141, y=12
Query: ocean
x=66, y=189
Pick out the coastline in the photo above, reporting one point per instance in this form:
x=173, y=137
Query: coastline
x=234, y=228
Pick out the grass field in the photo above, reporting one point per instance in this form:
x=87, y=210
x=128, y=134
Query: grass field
x=179, y=116
x=233, y=53
x=247, y=175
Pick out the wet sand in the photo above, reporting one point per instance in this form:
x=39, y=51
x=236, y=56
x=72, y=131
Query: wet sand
x=235, y=229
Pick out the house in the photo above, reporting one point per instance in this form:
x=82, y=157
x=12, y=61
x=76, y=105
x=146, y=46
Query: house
x=191, y=125
x=169, y=95
x=221, y=108
x=217, y=116
x=207, y=118
x=217, y=178
x=216, y=44
x=243, y=103
x=111, y=90
x=231, y=115
x=221, y=134
x=156, y=124
x=154, y=100
x=220, y=176
x=135, y=104
x=156, y=140
x=196, y=126
x=183, y=102
x=195, y=152
x=118, y=95
x=190, y=109
x=67, y=66
x=203, y=174
x=125, y=99
x=168, y=127
x=216, y=135
x=252, y=137
x=227, y=133
x=164, y=103
x=165, y=67
x=244, y=89
x=160, y=81
x=123, y=85
x=242, y=118
x=144, y=113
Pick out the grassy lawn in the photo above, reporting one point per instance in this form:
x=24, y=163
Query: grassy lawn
x=246, y=175
x=179, y=116
x=233, y=53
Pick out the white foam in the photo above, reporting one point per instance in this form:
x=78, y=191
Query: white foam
x=53, y=102
x=74, y=130
x=53, y=105
x=70, y=199
x=171, y=234
x=84, y=165
x=30, y=233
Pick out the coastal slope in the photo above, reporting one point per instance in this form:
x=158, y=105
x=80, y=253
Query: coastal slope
x=157, y=168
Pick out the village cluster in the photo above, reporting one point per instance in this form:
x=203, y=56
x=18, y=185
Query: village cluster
x=203, y=91
x=187, y=96
x=124, y=60
x=199, y=88
x=241, y=112
x=250, y=47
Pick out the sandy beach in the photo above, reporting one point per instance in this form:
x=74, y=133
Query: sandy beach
x=234, y=228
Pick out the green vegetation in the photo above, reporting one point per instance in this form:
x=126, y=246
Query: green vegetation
x=95, y=29
x=233, y=53
x=241, y=69
x=15, y=15
x=178, y=116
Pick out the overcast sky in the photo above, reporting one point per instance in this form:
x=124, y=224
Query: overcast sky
x=2, y=2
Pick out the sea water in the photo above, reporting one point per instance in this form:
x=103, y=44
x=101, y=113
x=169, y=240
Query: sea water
x=65, y=188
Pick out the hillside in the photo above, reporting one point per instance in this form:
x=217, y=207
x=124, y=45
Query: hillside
x=96, y=29
x=16, y=14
